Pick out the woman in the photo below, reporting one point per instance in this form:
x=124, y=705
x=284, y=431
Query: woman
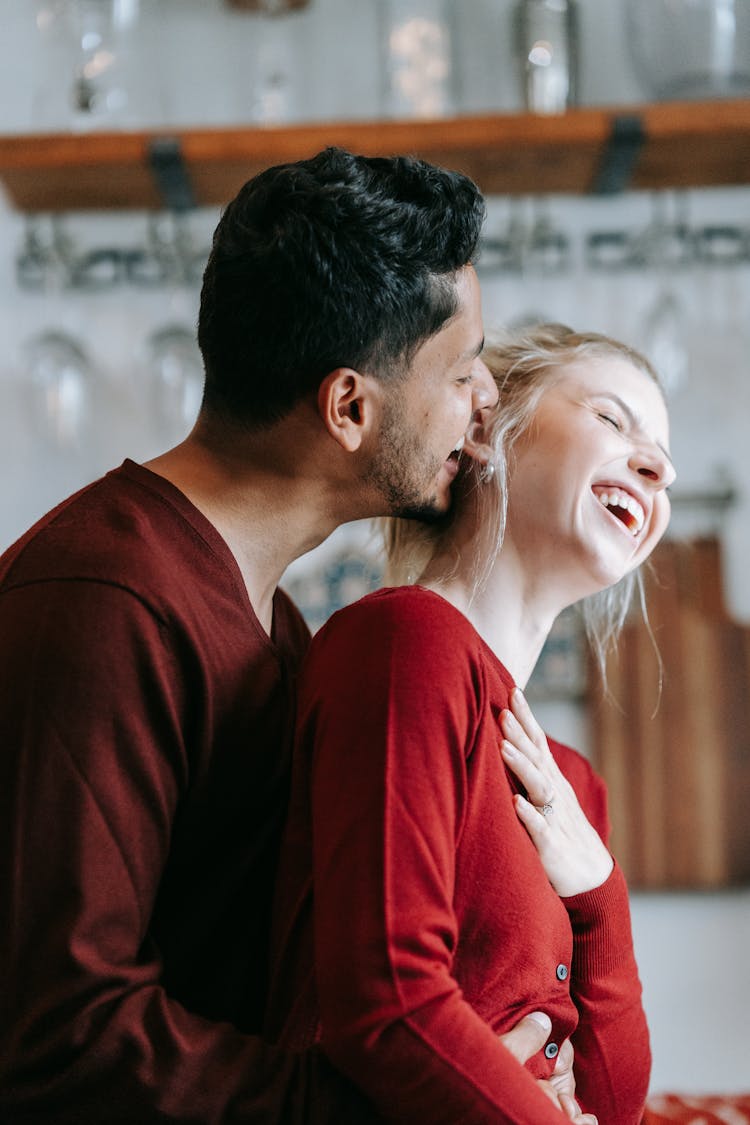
x=459, y=882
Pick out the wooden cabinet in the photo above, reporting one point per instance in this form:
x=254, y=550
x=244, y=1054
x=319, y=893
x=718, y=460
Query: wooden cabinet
x=588, y=150
x=672, y=738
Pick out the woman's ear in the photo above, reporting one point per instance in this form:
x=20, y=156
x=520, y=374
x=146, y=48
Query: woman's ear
x=477, y=445
x=344, y=407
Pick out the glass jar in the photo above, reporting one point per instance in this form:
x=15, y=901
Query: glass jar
x=690, y=48
x=546, y=36
x=418, y=67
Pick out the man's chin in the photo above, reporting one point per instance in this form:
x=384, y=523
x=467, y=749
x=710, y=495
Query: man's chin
x=430, y=511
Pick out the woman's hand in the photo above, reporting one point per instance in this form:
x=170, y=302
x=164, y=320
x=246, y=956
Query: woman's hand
x=571, y=850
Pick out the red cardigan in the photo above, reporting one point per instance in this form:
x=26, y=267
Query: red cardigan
x=435, y=926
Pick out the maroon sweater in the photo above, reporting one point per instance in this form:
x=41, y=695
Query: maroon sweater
x=145, y=728
x=434, y=926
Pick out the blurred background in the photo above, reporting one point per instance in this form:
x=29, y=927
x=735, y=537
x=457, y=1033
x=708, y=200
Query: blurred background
x=98, y=304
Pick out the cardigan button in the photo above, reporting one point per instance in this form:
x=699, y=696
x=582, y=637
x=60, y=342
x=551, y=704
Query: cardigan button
x=561, y=972
x=551, y=1050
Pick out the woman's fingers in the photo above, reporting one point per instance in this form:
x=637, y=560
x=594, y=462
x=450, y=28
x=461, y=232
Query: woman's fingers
x=538, y=827
x=540, y=790
x=571, y=851
x=518, y=733
x=527, y=753
x=525, y=717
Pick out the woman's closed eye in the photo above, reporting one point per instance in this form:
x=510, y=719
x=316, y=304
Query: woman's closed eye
x=611, y=420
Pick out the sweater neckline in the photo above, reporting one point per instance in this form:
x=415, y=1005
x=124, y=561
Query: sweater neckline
x=215, y=542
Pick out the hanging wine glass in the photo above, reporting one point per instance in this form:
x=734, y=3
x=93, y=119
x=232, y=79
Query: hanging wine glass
x=271, y=54
x=664, y=340
x=45, y=261
x=547, y=250
x=98, y=70
x=176, y=378
x=60, y=381
x=665, y=245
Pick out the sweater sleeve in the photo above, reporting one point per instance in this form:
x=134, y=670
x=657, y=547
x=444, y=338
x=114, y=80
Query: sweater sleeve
x=89, y=781
x=611, y=1042
x=388, y=713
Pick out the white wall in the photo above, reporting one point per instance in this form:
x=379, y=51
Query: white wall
x=692, y=948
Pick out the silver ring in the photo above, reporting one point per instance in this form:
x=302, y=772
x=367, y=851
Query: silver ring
x=544, y=809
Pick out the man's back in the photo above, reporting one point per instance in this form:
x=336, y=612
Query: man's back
x=143, y=768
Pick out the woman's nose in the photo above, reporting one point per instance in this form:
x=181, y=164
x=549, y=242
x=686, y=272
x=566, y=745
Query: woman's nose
x=484, y=388
x=651, y=461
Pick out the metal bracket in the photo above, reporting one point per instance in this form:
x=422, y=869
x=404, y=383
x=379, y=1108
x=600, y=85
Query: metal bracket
x=170, y=173
x=623, y=148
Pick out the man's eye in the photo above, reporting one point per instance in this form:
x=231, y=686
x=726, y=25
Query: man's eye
x=612, y=421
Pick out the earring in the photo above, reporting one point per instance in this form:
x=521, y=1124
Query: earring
x=487, y=473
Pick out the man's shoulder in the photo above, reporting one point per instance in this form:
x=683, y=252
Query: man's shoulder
x=113, y=530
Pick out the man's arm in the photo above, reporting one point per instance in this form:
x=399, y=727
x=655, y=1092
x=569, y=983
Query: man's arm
x=523, y=1042
x=89, y=790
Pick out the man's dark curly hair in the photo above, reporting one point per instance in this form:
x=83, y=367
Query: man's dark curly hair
x=336, y=261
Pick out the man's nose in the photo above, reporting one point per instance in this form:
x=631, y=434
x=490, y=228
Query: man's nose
x=485, y=388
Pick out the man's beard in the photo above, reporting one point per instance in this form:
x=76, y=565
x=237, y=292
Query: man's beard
x=399, y=469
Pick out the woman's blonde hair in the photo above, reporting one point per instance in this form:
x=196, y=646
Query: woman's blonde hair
x=523, y=363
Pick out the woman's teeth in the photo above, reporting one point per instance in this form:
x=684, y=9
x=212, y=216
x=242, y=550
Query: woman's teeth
x=625, y=507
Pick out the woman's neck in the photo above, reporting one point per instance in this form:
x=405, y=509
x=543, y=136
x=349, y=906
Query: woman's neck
x=510, y=613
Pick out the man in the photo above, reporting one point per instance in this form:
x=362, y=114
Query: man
x=148, y=659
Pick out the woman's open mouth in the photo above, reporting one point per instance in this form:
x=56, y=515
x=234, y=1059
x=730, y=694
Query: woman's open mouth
x=623, y=506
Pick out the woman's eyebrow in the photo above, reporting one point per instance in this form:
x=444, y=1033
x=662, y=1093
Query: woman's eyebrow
x=634, y=422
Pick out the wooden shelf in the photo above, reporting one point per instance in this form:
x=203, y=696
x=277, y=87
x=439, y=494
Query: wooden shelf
x=666, y=145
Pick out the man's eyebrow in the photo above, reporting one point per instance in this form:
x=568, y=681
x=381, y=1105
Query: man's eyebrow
x=472, y=353
x=613, y=397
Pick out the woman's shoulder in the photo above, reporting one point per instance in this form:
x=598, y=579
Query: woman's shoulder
x=412, y=609
x=411, y=619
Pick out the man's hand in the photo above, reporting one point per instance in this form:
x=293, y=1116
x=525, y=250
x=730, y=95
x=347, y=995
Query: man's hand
x=528, y=1037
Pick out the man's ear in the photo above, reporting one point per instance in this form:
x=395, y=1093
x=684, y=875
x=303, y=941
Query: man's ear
x=345, y=405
